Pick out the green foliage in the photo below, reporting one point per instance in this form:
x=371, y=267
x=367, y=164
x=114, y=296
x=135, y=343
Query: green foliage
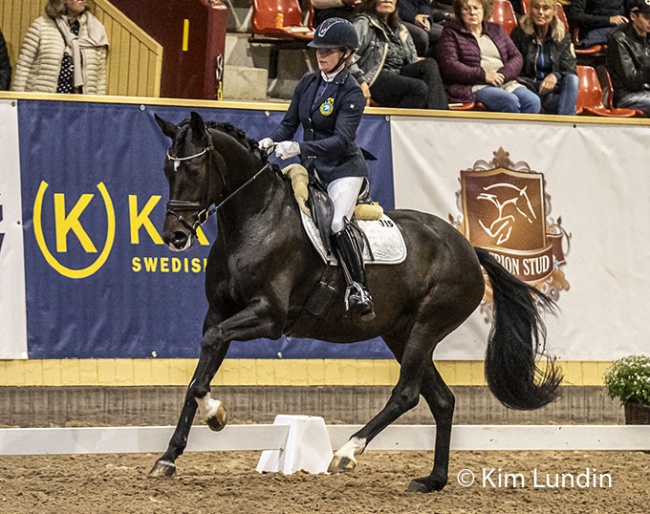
x=628, y=379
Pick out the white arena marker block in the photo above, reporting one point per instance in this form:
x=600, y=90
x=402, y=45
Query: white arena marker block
x=307, y=447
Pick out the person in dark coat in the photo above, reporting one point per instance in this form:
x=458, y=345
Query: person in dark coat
x=628, y=59
x=417, y=17
x=549, y=58
x=329, y=104
x=5, y=65
x=596, y=19
x=386, y=63
x=479, y=62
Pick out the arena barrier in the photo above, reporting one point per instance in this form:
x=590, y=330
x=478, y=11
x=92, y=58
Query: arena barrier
x=94, y=440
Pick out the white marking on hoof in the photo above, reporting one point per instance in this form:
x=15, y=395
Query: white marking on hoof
x=163, y=469
x=213, y=412
x=344, y=459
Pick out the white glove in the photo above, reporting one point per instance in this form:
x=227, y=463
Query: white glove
x=287, y=149
x=265, y=144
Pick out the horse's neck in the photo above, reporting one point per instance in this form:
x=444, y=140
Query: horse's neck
x=260, y=199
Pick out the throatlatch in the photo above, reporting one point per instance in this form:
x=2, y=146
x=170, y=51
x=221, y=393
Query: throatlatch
x=358, y=301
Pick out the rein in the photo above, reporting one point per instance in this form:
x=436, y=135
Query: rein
x=173, y=206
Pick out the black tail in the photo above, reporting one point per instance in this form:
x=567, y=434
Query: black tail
x=517, y=340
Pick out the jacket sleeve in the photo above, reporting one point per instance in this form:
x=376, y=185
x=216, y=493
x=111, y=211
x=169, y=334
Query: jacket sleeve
x=518, y=37
x=452, y=69
x=409, y=46
x=362, y=26
x=409, y=9
x=26, y=58
x=5, y=65
x=291, y=121
x=567, y=62
x=579, y=18
x=513, y=61
x=345, y=130
x=101, y=73
x=620, y=62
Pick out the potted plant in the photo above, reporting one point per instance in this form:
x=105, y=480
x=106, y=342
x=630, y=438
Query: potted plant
x=628, y=380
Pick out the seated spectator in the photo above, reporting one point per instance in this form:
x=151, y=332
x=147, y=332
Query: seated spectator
x=5, y=65
x=63, y=52
x=386, y=63
x=324, y=9
x=417, y=18
x=596, y=19
x=480, y=63
x=549, y=58
x=628, y=60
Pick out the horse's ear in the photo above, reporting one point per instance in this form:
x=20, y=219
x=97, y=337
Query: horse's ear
x=167, y=127
x=198, y=127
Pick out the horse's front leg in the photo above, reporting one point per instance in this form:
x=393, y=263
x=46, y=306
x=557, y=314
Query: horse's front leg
x=257, y=320
x=213, y=352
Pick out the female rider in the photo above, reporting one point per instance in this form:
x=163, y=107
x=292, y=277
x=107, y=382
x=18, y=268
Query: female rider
x=329, y=104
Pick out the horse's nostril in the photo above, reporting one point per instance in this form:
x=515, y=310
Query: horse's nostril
x=179, y=239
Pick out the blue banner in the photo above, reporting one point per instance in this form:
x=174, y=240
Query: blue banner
x=99, y=281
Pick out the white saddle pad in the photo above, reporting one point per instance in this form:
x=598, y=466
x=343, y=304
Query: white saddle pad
x=385, y=237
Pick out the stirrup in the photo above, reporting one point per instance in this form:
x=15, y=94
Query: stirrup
x=358, y=302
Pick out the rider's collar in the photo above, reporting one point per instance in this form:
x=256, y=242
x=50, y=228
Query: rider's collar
x=329, y=77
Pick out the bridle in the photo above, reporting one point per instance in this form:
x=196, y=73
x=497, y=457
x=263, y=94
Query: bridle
x=204, y=208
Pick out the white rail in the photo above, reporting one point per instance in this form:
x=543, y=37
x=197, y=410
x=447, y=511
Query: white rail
x=43, y=441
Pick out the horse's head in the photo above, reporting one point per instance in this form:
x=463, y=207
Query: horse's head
x=188, y=168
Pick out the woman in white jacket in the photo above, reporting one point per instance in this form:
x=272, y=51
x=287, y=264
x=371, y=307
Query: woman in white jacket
x=63, y=52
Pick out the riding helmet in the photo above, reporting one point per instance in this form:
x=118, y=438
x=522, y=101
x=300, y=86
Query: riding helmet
x=335, y=33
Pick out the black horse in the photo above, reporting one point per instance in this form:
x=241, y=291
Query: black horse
x=262, y=271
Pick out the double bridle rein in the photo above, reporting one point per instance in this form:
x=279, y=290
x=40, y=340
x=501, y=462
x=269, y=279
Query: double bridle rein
x=204, y=208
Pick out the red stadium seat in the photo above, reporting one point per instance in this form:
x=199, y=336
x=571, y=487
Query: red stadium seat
x=504, y=14
x=590, y=96
x=281, y=19
x=608, y=91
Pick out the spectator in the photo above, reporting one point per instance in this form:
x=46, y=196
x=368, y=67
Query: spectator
x=386, y=64
x=63, y=52
x=549, y=59
x=5, y=65
x=479, y=62
x=596, y=19
x=628, y=59
x=417, y=18
x=324, y=9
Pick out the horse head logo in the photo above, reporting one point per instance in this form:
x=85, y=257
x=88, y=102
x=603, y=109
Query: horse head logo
x=511, y=202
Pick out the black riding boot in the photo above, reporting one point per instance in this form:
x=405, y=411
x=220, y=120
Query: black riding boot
x=358, y=301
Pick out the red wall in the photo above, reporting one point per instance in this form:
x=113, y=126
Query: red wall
x=197, y=72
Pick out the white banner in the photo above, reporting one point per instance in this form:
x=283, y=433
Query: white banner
x=13, y=321
x=594, y=212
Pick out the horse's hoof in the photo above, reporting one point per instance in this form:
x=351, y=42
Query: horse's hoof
x=425, y=485
x=341, y=464
x=163, y=469
x=217, y=421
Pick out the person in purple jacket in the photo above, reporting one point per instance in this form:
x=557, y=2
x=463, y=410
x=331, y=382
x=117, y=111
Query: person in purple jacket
x=479, y=62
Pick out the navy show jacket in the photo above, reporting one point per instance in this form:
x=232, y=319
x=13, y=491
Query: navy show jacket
x=329, y=125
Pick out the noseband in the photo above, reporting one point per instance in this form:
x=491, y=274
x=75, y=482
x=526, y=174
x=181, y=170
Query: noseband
x=175, y=207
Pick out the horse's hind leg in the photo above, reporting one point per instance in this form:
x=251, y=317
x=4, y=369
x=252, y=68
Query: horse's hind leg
x=212, y=356
x=405, y=395
x=441, y=401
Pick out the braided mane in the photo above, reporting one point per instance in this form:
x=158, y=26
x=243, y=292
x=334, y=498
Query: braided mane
x=227, y=128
